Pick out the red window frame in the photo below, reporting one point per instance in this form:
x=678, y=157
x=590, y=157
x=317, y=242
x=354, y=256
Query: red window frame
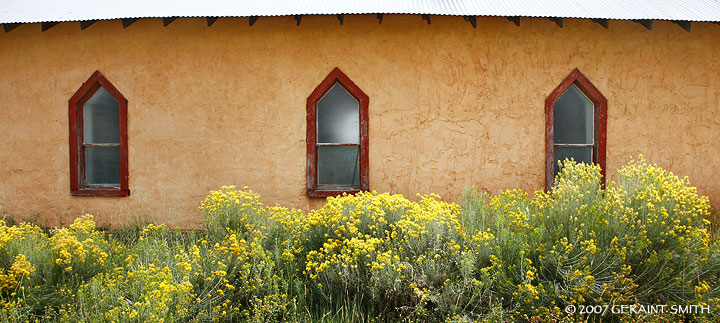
x=77, y=147
x=600, y=115
x=313, y=188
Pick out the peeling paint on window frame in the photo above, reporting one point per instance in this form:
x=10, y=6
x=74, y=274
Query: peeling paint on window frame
x=600, y=123
x=313, y=188
x=78, y=187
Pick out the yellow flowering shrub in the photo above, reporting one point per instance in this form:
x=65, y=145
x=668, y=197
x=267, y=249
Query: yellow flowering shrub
x=15, y=242
x=640, y=240
x=234, y=210
x=80, y=247
x=383, y=249
x=143, y=294
x=19, y=269
x=236, y=274
x=23, y=259
x=382, y=257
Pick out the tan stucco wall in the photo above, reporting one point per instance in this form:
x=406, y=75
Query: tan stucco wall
x=450, y=106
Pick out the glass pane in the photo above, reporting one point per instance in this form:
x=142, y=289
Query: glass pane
x=580, y=154
x=101, y=119
x=338, y=116
x=573, y=113
x=102, y=165
x=338, y=165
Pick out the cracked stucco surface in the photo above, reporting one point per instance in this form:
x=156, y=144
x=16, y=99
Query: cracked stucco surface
x=450, y=106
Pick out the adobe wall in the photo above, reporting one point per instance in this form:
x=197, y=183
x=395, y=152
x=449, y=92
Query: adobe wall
x=450, y=106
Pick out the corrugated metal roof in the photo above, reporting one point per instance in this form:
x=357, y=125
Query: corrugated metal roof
x=30, y=11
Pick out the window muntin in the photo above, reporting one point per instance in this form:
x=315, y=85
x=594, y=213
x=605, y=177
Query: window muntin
x=337, y=137
x=98, y=139
x=575, y=125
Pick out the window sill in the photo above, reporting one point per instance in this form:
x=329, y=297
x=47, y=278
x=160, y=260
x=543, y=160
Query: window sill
x=331, y=192
x=100, y=192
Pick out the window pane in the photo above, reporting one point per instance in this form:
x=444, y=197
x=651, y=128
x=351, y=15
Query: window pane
x=580, y=154
x=573, y=114
x=101, y=119
x=338, y=117
x=102, y=165
x=338, y=165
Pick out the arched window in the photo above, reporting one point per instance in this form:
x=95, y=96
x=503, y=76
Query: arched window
x=575, y=125
x=98, y=139
x=337, y=137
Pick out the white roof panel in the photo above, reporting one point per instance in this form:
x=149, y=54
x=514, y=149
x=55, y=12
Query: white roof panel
x=30, y=11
